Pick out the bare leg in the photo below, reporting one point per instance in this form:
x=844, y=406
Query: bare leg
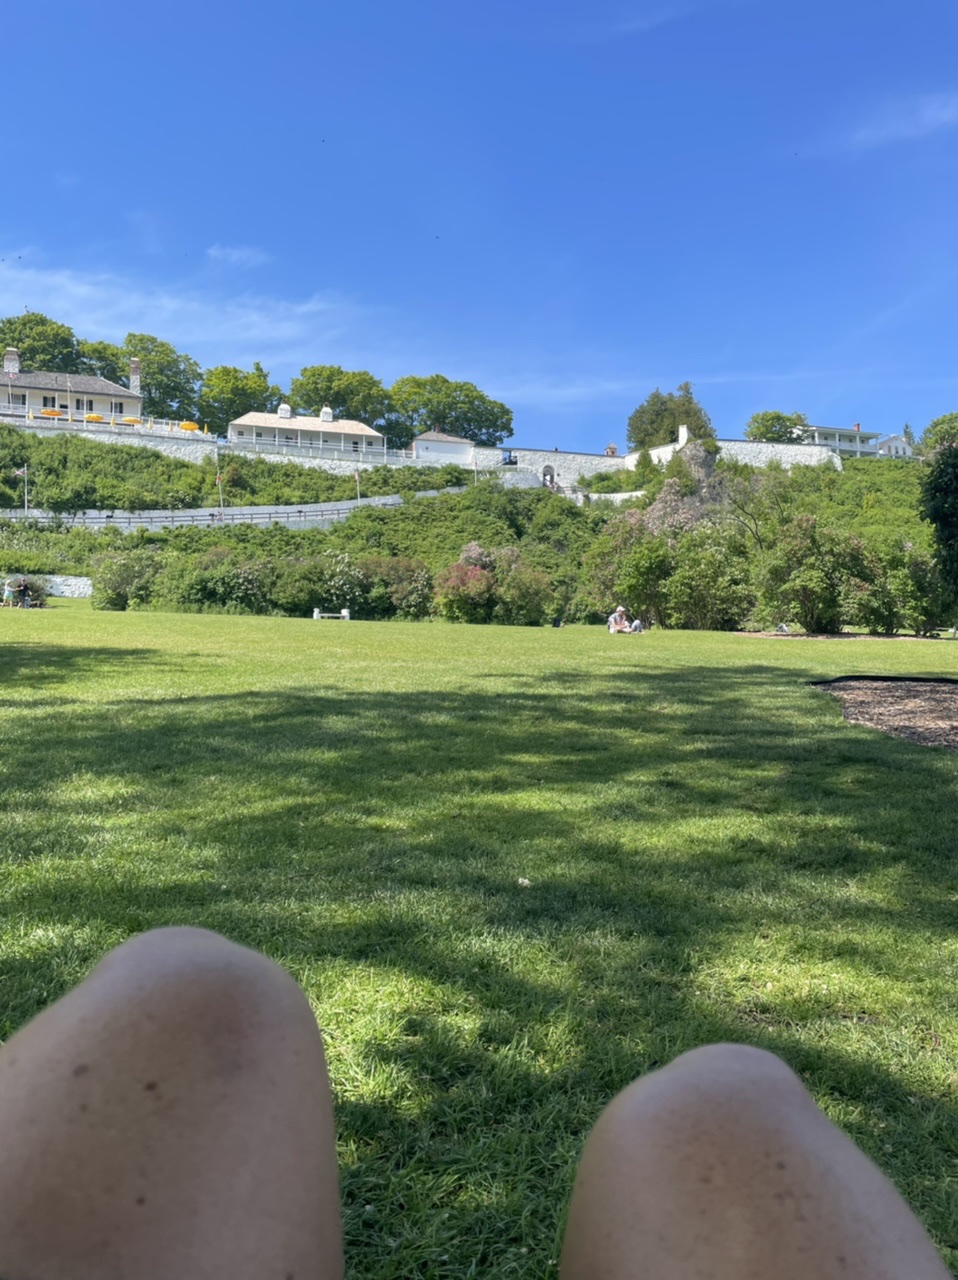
x=170, y=1117
x=721, y=1167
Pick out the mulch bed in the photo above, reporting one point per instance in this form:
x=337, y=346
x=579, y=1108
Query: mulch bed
x=922, y=711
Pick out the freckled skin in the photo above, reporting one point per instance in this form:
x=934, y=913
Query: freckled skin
x=716, y=1167
x=721, y=1167
x=170, y=1117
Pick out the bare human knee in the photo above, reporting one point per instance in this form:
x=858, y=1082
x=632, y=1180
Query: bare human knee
x=196, y=985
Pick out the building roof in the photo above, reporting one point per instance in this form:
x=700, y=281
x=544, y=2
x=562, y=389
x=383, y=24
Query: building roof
x=339, y=426
x=82, y=383
x=440, y=437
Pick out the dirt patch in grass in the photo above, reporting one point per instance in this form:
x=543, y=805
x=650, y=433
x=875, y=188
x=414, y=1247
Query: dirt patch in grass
x=923, y=711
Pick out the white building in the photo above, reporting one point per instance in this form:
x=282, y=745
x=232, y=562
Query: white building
x=286, y=428
x=895, y=447
x=76, y=396
x=848, y=442
x=437, y=448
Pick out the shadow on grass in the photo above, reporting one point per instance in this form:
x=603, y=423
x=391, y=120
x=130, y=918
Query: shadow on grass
x=666, y=821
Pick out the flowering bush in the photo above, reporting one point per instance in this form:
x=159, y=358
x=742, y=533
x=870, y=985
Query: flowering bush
x=465, y=593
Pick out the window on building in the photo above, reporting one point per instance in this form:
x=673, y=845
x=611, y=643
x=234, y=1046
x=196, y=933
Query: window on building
x=49, y=402
x=116, y=406
x=240, y=434
x=259, y=435
x=355, y=446
x=82, y=405
x=18, y=397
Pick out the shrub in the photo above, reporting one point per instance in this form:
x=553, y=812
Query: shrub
x=643, y=576
x=396, y=586
x=124, y=580
x=807, y=577
x=465, y=593
x=329, y=582
x=710, y=588
x=905, y=592
x=525, y=598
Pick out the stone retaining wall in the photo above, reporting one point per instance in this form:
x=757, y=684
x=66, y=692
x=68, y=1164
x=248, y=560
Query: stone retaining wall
x=760, y=453
x=62, y=584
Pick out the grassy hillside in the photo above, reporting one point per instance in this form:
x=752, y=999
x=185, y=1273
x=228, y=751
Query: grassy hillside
x=878, y=500
x=72, y=473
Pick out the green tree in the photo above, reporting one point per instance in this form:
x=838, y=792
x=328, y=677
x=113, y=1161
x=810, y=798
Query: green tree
x=939, y=506
x=103, y=360
x=940, y=431
x=44, y=345
x=457, y=408
x=658, y=418
x=227, y=393
x=643, y=579
x=709, y=589
x=169, y=379
x=776, y=427
x=908, y=434
x=811, y=576
x=350, y=393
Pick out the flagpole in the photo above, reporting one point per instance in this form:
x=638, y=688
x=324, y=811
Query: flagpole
x=358, y=494
x=219, y=483
x=25, y=503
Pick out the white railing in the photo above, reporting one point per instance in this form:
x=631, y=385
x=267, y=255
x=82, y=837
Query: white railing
x=308, y=514
x=334, y=453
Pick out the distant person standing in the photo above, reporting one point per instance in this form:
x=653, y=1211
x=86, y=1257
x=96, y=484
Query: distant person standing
x=23, y=594
x=9, y=594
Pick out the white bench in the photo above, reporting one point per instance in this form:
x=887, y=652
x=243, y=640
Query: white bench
x=342, y=616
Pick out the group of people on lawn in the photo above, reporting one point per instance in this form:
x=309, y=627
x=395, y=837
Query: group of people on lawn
x=620, y=623
x=16, y=594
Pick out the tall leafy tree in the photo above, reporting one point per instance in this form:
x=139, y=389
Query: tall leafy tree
x=658, y=418
x=169, y=379
x=457, y=408
x=776, y=427
x=103, y=360
x=940, y=431
x=45, y=345
x=227, y=393
x=939, y=505
x=350, y=393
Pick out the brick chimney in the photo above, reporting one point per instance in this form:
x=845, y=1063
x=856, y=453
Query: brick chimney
x=857, y=426
x=135, y=375
x=11, y=360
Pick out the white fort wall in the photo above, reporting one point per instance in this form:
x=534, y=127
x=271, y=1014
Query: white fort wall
x=564, y=467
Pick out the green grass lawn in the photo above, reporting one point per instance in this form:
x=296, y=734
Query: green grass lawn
x=712, y=854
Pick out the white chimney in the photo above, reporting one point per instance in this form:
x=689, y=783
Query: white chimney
x=326, y=414
x=11, y=360
x=135, y=375
x=284, y=411
x=683, y=436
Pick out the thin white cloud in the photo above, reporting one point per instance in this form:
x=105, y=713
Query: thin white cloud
x=906, y=120
x=216, y=328
x=239, y=255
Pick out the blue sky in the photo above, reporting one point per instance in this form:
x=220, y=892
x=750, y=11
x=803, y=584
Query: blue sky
x=567, y=203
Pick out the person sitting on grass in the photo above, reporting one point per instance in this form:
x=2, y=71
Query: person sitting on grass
x=172, y=1116
x=618, y=621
